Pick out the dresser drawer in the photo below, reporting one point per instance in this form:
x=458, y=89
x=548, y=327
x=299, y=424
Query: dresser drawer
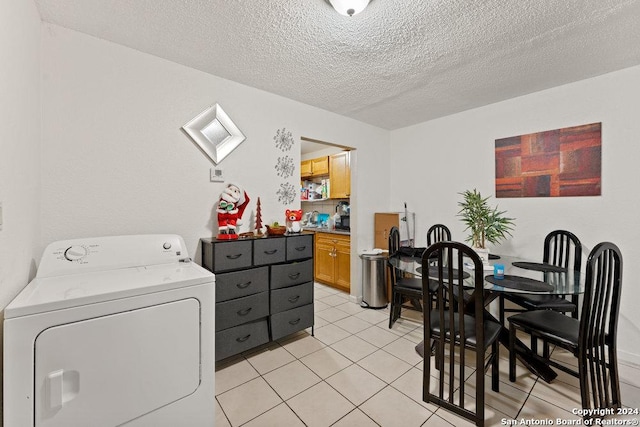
x=231, y=255
x=236, y=340
x=290, y=321
x=291, y=274
x=241, y=310
x=299, y=247
x=269, y=251
x=294, y=296
x=241, y=283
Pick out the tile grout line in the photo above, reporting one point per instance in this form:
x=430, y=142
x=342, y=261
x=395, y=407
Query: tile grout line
x=408, y=334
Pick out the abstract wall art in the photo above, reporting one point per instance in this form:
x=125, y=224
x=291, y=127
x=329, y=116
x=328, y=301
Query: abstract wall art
x=555, y=163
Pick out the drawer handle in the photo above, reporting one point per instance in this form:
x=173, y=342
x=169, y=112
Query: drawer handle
x=294, y=276
x=301, y=248
x=244, y=312
x=243, y=339
x=271, y=252
x=243, y=285
x=234, y=256
x=294, y=322
x=294, y=299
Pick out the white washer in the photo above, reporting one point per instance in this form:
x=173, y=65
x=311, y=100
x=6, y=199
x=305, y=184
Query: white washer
x=112, y=331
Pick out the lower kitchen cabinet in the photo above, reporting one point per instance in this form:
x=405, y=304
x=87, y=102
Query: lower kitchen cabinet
x=333, y=260
x=264, y=289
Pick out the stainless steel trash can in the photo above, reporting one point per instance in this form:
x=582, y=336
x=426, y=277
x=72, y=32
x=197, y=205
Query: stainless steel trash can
x=374, y=283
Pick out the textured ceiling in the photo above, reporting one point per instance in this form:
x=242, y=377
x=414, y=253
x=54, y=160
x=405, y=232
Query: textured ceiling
x=397, y=63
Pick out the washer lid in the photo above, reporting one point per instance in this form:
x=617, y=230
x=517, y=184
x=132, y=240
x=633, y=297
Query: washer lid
x=60, y=292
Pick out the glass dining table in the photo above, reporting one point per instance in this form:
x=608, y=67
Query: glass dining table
x=520, y=276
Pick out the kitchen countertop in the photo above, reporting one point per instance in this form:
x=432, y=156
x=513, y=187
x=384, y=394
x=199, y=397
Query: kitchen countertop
x=325, y=230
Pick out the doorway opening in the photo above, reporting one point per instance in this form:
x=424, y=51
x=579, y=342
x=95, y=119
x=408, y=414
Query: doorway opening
x=328, y=202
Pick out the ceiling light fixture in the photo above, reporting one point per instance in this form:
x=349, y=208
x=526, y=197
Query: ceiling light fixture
x=349, y=7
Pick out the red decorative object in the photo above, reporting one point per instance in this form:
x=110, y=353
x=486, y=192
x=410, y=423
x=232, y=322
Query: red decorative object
x=258, y=218
x=230, y=208
x=555, y=163
x=294, y=219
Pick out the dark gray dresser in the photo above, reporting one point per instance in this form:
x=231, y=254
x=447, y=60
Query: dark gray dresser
x=264, y=289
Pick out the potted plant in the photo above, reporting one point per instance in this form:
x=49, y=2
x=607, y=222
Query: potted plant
x=485, y=224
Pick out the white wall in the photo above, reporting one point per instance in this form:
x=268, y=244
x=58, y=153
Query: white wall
x=19, y=145
x=115, y=161
x=443, y=157
x=320, y=153
x=19, y=148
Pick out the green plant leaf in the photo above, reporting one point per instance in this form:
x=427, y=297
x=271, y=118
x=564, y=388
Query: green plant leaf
x=485, y=224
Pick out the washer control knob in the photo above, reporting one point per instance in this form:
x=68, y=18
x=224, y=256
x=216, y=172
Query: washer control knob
x=75, y=253
x=167, y=245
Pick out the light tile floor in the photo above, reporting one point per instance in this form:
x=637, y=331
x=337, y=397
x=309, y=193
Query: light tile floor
x=356, y=372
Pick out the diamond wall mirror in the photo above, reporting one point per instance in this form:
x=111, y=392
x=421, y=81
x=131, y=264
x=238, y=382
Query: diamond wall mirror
x=215, y=133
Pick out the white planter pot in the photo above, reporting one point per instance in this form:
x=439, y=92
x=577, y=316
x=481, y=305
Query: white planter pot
x=483, y=254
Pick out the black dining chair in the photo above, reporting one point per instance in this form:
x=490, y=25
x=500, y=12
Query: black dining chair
x=461, y=324
x=406, y=292
x=561, y=249
x=592, y=339
x=438, y=233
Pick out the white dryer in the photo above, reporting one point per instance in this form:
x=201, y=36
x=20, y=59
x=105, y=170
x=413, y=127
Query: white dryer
x=112, y=331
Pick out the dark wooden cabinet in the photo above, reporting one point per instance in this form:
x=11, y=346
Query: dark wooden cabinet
x=264, y=289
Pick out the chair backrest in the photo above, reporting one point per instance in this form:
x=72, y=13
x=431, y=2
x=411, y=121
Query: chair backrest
x=394, y=240
x=438, y=233
x=599, y=327
x=563, y=249
x=394, y=245
x=453, y=304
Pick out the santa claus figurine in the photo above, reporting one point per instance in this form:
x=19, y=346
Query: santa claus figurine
x=231, y=205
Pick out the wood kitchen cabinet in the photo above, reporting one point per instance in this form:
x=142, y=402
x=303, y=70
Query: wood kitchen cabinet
x=382, y=224
x=314, y=167
x=383, y=221
x=333, y=260
x=320, y=166
x=305, y=168
x=340, y=175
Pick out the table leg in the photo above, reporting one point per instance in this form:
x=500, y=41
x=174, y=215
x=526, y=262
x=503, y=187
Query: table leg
x=420, y=347
x=523, y=353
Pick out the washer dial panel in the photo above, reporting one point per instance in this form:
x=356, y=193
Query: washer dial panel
x=76, y=253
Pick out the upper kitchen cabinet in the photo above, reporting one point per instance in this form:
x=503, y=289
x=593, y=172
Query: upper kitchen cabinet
x=314, y=167
x=305, y=168
x=340, y=175
x=320, y=166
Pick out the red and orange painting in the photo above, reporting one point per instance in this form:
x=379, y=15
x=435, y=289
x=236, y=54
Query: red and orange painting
x=555, y=163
